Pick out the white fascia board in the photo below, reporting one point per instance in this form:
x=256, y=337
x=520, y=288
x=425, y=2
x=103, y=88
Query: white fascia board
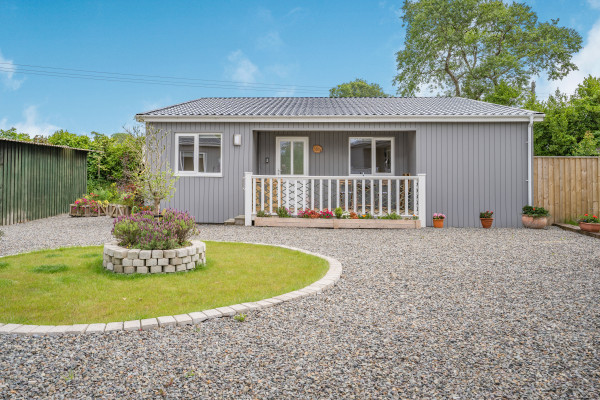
x=338, y=119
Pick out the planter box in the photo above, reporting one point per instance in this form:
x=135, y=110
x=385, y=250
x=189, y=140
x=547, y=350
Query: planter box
x=335, y=223
x=79, y=211
x=117, y=210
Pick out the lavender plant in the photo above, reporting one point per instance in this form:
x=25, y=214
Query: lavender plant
x=143, y=231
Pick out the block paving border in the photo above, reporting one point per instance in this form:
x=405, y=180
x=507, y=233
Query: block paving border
x=331, y=277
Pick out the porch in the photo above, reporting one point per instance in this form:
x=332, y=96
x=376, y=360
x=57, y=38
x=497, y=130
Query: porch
x=374, y=195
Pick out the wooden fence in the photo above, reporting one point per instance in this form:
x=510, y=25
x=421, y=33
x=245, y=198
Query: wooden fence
x=567, y=186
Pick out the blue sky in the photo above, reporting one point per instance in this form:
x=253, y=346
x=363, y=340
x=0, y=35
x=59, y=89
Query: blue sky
x=305, y=47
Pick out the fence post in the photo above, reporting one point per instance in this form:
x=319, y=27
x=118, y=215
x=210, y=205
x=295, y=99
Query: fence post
x=248, y=189
x=422, y=200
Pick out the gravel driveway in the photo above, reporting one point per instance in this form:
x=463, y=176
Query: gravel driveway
x=452, y=313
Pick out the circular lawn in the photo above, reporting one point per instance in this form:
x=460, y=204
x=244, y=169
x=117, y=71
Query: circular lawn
x=70, y=286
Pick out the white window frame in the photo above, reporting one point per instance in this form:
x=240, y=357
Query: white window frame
x=278, y=141
x=373, y=139
x=195, y=173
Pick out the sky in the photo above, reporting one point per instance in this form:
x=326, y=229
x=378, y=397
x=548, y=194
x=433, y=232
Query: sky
x=213, y=49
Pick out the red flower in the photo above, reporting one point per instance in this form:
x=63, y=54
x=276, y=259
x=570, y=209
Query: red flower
x=595, y=216
x=585, y=215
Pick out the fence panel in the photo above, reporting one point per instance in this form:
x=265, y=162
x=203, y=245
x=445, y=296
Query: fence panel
x=567, y=186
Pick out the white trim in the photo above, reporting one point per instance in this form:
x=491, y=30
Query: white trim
x=374, y=139
x=278, y=140
x=530, y=161
x=196, y=135
x=338, y=118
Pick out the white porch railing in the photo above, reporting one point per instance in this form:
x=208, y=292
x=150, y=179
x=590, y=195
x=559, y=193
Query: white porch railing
x=377, y=195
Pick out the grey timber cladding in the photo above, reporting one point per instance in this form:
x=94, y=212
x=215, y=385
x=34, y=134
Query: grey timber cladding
x=39, y=181
x=470, y=167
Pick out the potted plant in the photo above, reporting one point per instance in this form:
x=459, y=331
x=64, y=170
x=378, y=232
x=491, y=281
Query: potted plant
x=589, y=223
x=438, y=220
x=535, y=217
x=486, y=218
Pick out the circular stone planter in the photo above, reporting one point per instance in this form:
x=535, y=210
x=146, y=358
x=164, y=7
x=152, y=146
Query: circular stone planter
x=122, y=260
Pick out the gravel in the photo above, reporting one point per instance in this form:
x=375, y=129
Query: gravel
x=447, y=313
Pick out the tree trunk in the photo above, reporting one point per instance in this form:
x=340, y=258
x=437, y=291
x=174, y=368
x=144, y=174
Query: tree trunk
x=156, y=206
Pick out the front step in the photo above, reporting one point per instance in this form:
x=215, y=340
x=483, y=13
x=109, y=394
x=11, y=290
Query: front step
x=239, y=220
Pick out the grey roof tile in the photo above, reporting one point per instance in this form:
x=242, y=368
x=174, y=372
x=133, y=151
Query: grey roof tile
x=345, y=106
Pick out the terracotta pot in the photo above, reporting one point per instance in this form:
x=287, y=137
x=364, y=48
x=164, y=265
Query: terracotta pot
x=534, y=222
x=589, y=226
x=438, y=223
x=486, y=223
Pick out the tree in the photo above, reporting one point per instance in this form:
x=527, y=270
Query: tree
x=357, y=88
x=470, y=47
x=155, y=181
x=14, y=135
x=572, y=123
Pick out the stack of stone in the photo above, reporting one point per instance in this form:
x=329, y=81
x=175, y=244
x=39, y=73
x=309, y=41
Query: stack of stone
x=128, y=261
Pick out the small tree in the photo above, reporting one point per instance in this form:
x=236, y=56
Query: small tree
x=155, y=180
x=357, y=88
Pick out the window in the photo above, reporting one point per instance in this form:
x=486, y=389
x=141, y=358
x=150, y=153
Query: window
x=292, y=155
x=198, y=154
x=371, y=156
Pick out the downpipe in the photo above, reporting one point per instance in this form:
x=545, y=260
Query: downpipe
x=530, y=161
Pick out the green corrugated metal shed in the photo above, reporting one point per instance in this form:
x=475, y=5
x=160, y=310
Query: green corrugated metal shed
x=39, y=180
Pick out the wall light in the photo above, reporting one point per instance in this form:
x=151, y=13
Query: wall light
x=237, y=139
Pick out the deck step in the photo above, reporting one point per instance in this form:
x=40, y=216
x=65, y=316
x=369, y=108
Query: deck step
x=240, y=220
x=230, y=221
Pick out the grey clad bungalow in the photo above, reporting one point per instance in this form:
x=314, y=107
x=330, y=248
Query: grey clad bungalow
x=413, y=156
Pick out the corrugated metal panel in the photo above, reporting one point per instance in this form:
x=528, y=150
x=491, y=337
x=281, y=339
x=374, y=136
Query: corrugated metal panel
x=38, y=181
x=470, y=167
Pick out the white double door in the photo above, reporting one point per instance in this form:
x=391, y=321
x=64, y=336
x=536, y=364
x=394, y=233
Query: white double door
x=292, y=160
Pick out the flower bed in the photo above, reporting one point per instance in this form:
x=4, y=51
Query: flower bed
x=336, y=220
x=146, y=244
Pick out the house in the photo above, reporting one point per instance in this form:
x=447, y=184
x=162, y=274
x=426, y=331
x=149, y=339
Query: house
x=411, y=155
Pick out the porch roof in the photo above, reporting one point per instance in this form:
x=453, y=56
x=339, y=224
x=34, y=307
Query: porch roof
x=337, y=107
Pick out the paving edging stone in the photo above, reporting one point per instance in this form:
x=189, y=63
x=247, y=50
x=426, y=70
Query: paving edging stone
x=330, y=279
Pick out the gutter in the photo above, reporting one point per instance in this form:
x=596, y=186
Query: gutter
x=338, y=118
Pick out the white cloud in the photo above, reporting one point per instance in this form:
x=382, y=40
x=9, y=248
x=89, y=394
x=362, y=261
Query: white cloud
x=269, y=41
x=7, y=73
x=594, y=3
x=32, y=124
x=586, y=60
x=240, y=68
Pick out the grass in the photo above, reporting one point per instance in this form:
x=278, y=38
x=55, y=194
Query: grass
x=572, y=222
x=70, y=286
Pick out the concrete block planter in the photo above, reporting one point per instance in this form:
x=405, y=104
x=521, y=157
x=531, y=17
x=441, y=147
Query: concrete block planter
x=334, y=223
x=122, y=260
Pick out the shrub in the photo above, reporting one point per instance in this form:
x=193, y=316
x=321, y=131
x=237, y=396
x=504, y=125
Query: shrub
x=143, y=231
x=283, y=212
x=589, y=219
x=365, y=216
x=535, y=211
x=338, y=212
x=391, y=215
x=308, y=214
x=486, y=214
x=326, y=214
x=262, y=214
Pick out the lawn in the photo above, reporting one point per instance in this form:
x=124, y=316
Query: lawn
x=70, y=286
